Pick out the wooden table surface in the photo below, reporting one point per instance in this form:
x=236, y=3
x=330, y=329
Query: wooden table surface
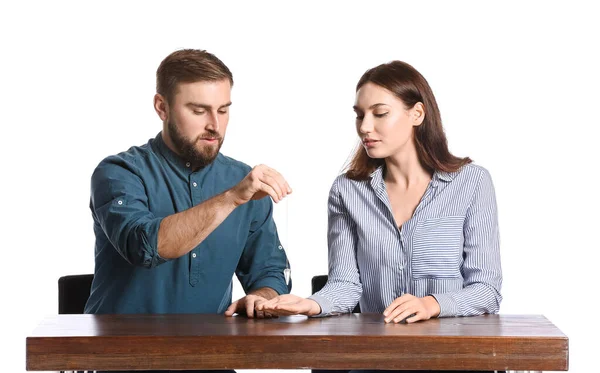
x=352, y=341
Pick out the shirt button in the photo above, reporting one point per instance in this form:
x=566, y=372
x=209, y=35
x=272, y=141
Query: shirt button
x=195, y=184
x=193, y=255
x=280, y=247
x=187, y=164
x=120, y=202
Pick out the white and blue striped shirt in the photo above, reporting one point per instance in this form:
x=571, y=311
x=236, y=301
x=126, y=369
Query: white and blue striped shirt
x=448, y=249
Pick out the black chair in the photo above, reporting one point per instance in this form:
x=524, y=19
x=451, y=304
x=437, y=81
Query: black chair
x=73, y=293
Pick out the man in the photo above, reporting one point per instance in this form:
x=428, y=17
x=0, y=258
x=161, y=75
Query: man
x=174, y=218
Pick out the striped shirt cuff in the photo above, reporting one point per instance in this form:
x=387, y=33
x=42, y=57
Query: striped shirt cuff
x=325, y=304
x=448, y=305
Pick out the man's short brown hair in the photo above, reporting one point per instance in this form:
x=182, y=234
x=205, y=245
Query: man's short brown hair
x=189, y=66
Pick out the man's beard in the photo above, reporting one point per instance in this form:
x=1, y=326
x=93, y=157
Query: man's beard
x=192, y=151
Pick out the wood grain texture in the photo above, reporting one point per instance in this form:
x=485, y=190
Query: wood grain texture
x=353, y=341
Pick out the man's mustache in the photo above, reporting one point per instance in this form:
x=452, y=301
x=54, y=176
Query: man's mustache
x=209, y=135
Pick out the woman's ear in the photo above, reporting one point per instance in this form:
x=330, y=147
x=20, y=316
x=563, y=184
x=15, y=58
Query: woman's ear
x=417, y=114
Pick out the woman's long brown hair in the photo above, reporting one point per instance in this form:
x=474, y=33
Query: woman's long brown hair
x=410, y=86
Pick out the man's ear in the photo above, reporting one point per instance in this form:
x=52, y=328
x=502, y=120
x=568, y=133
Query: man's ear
x=161, y=106
x=417, y=114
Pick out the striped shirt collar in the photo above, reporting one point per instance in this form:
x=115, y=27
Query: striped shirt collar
x=377, y=181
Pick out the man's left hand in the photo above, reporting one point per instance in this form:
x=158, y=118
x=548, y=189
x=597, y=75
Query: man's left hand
x=246, y=305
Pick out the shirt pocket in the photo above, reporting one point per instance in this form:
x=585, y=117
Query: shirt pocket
x=437, y=248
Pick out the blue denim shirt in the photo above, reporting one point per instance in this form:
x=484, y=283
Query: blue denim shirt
x=132, y=192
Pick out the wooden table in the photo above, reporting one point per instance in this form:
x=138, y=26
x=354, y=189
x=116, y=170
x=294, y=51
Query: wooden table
x=352, y=341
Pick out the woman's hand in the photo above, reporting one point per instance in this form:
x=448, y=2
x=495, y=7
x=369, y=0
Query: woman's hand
x=409, y=305
x=288, y=304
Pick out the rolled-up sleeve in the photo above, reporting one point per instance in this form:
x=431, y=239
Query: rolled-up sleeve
x=119, y=205
x=343, y=289
x=264, y=260
x=481, y=269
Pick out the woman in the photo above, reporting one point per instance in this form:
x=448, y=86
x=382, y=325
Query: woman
x=413, y=229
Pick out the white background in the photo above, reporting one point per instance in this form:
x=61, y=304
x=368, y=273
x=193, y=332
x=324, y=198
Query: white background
x=517, y=85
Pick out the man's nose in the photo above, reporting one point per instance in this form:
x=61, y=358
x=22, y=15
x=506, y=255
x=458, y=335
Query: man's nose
x=213, y=121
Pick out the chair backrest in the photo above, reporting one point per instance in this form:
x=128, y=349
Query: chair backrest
x=73, y=293
x=317, y=284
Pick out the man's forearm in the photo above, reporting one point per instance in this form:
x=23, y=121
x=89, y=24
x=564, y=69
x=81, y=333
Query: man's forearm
x=179, y=233
x=265, y=292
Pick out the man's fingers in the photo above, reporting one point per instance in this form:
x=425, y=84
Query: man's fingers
x=274, y=174
x=270, y=303
x=284, y=185
x=231, y=309
x=276, y=177
x=274, y=313
x=266, y=188
x=250, y=307
x=269, y=315
x=267, y=308
x=260, y=305
x=274, y=183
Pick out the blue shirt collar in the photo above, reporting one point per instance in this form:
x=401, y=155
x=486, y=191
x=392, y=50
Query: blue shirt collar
x=173, y=158
x=180, y=164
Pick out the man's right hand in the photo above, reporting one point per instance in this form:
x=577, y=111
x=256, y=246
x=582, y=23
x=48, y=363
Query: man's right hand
x=262, y=181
